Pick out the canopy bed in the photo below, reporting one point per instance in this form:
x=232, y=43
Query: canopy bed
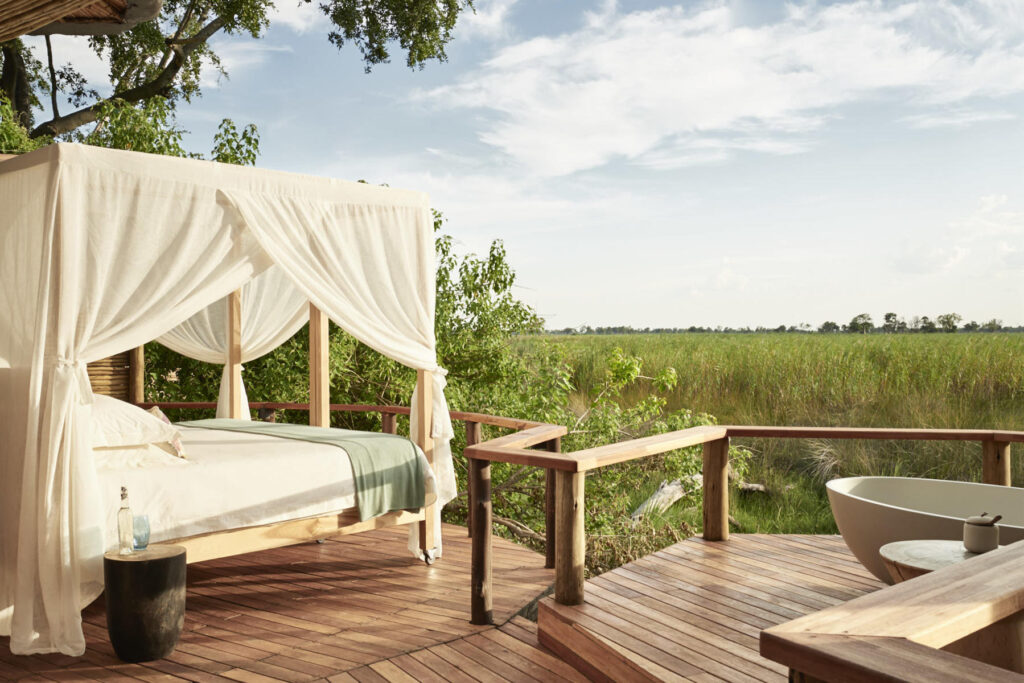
x=102, y=251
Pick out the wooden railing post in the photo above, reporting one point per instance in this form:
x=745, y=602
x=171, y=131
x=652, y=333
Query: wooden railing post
x=716, y=490
x=550, y=525
x=995, y=463
x=473, y=437
x=481, y=599
x=570, y=541
x=389, y=423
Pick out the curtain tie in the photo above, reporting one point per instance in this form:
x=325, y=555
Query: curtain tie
x=81, y=372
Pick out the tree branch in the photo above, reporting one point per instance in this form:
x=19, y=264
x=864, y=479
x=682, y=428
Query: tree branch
x=518, y=529
x=158, y=85
x=53, y=76
x=185, y=18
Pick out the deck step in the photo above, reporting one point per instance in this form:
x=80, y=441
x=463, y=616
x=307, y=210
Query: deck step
x=695, y=610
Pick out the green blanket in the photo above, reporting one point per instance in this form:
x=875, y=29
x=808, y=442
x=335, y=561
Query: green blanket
x=388, y=470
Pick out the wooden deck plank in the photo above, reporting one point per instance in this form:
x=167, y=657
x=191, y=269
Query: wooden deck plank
x=361, y=609
x=313, y=612
x=470, y=666
x=695, y=609
x=441, y=667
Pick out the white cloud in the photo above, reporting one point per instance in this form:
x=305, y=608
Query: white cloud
x=238, y=55
x=986, y=240
x=956, y=118
x=637, y=85
x=298, y=15
x=490, y=20
x=692, y=150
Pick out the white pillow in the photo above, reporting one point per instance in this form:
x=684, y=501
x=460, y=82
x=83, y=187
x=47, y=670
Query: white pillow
x=134, y=457
x=116, y=424
x=175, y=447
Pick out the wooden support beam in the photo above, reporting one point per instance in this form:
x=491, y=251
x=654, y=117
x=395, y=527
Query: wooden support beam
x=550, y=524
x=137, y=375
x=482, y=597
x=995, y=463
x=473, y=437
x=422, y=437
x=389, y=423
x=319, y=372
x=234, y=337
x=570, y=539
x=716, y=490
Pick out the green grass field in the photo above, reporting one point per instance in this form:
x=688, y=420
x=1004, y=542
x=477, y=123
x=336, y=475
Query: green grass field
x=969, y=381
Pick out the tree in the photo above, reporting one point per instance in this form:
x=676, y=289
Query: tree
x=949, y=321
x=828, y=327
x=972, y=326
x=891, y=323
x=993, y=325
x=860, y=324
x=168, y=56
x=927, y=325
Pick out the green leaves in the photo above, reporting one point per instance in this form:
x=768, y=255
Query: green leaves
x=233, y=147
x=421, y=27
x=150, y=127
x=14, y=138
x=146, y=128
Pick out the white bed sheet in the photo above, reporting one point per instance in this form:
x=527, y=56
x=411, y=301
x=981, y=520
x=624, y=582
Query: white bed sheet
x=229, y=480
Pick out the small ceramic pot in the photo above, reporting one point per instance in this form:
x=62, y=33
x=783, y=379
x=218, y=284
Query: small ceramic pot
x=981, y=533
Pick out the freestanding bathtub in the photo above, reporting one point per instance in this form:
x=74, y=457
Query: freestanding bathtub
x=873, y=511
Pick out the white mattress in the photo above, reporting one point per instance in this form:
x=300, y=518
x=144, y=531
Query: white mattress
x=230, y=480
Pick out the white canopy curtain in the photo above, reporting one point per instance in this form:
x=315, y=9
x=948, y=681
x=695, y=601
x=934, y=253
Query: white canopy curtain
x=273, y=310
x=103, y=250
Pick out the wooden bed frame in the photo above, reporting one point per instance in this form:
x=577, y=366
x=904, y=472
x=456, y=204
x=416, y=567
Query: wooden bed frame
x=122, y=376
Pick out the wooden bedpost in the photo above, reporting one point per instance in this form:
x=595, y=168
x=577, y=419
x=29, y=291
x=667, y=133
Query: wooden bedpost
x=234, y=320
x=137, y=375
x=422, y=437
x=319, y=373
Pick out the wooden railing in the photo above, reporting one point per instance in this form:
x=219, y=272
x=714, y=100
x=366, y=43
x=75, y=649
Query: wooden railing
x=538, y=444
x=569, y=470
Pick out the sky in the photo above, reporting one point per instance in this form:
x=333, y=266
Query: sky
x=742, y=163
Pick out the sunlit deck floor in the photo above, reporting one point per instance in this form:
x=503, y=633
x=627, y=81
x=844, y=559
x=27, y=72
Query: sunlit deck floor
x=312, y=612
x=694, y=611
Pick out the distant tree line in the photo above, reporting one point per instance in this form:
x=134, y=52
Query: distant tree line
x=892, y=323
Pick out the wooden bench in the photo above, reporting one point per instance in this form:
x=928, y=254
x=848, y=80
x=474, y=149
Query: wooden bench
x=964, y=622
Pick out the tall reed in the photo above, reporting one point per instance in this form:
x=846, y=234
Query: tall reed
x=967, y=381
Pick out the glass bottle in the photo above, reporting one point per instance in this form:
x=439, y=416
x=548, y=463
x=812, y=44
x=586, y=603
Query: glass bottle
x=125, y=526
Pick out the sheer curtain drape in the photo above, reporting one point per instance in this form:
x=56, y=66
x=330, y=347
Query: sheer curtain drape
x=104, y=250
x=374, y=279
x=273, y=310
x=98, y=294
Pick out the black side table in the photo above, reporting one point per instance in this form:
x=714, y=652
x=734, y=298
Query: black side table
x=145, y=594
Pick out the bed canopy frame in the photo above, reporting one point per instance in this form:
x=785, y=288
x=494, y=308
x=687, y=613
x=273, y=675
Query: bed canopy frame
x=104, y=250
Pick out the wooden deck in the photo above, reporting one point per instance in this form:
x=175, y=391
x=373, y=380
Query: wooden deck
x=694, y=611
x=360, y=604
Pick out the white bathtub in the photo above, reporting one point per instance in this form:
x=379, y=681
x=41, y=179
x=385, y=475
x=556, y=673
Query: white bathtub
x=873, y=511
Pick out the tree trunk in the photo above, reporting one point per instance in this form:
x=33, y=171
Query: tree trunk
x=14, y=84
